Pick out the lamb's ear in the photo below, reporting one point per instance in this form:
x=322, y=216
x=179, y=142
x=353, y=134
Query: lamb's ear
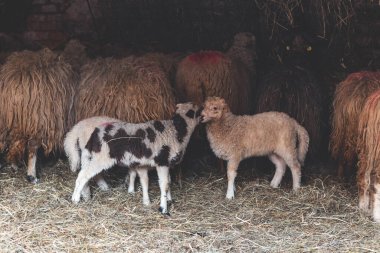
x=225, y=107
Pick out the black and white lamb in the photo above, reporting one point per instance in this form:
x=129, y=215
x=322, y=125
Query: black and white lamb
x=159, y=144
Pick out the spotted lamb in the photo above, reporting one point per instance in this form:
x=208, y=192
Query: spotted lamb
x=159, y=144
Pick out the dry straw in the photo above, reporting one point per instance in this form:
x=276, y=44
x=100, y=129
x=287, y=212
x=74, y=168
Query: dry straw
x=321, y=217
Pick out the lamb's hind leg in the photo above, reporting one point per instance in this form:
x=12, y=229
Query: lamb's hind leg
x=86, y=173
x=295, y=167
x=163, y=178
x=280, y=170
x=101, y=182
x=232, y=167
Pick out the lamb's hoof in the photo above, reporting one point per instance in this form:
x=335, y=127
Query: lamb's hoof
x=296, y=189
x=32, y=179
x=230, y=196
x=274, y=185
x=103, y=187
x=146, y=203
x=75, y=200
x=163, y=212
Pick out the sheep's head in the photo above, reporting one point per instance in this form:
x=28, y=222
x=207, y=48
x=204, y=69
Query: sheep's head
x=244, y=40
x=189, y=110
x=214, y=109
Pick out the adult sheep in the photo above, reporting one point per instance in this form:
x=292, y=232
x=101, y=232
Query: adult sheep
x=129, y=89
x=368, y=177
x=212, y=73
x=37, y=95
x=349, y=99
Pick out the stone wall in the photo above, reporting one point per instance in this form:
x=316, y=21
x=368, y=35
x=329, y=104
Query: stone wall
x=52, y=22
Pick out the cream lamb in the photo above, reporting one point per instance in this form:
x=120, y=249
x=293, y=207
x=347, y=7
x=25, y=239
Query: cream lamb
x=273, y=134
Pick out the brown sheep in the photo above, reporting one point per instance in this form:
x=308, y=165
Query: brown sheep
x=368, y=177
x=274, y=134
x=212, y=73
x=36, y=99
x=129, y=89
x=349, y=99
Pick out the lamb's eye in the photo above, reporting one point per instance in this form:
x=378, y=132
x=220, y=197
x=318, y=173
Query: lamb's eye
x=287, y=48
x=214, y=108
x=309, y=48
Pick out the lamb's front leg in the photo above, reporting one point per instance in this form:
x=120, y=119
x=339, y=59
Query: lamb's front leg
x=163, y=178
x=232, y=167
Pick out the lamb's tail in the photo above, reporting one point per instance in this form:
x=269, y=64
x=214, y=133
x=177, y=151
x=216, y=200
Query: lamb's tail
x=72, y=150
x=303, y=142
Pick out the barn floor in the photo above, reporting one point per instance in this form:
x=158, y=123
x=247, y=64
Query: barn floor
x=321, y=217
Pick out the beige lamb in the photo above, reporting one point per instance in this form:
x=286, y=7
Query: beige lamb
x=274, y=134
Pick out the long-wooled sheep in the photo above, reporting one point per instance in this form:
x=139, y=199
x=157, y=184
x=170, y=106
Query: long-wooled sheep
x=129, y=89
x=368, y=147
x=36, y=99
x=349, y=99
x=212, y=73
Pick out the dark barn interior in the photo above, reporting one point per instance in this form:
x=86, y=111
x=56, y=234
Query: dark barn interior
x=316, y=60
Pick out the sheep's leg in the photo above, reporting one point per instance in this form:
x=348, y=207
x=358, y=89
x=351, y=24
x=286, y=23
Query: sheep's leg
x=144, y=180
x=363, y=189
x=32, y=159
x=280, y=170
x=163, y=176
x=132, y=178
x=295, y=167
x=232, y=167
x=101, y=182
x=376, y=203
x=86, y=173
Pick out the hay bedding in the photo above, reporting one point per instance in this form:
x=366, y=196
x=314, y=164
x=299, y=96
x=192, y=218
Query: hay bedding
x=322, y=217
